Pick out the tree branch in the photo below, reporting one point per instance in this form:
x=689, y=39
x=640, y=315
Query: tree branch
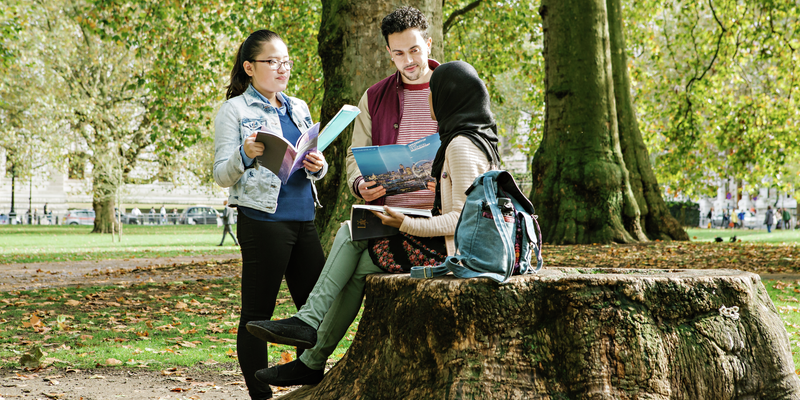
x=457, y=13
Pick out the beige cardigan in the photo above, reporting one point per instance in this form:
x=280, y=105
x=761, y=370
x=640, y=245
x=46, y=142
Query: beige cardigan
x=463, y=162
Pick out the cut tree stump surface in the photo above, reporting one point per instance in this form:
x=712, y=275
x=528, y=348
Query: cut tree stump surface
x=567, y=334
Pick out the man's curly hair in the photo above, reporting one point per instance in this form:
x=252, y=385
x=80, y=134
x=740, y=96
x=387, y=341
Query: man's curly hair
x=404, y=18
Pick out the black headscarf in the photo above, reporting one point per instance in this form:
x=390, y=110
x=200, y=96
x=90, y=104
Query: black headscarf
x=461, y=104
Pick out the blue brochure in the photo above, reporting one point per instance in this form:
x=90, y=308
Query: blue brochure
x=336, y=125
x=399, y=168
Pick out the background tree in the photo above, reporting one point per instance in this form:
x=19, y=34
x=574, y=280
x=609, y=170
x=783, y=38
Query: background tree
x=581, y=184
x=191, y=46
x=715, y=84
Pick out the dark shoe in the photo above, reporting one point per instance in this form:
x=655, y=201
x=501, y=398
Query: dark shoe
x=291, y=331
x=290, y=374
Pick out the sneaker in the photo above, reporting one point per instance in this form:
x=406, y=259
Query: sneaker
x=290, y=374
x=291, y=331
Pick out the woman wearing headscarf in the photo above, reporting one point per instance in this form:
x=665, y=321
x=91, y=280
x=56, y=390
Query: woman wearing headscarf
x=460, y=102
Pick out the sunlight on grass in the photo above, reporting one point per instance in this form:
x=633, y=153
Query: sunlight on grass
x=746, y=235
x=154, y=326
x=75, y=243
x=784, y=295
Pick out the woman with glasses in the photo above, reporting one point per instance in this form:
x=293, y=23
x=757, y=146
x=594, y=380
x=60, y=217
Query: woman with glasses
x=275, y=227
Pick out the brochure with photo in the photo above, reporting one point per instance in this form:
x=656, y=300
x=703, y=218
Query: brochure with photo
x=399, y=168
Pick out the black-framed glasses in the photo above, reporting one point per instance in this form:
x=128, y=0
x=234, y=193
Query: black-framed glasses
x=276, y=65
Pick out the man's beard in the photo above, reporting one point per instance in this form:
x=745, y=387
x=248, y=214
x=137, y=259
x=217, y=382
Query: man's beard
x=412, y=77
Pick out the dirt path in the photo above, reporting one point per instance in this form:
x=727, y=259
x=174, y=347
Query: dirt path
x=108, y=272
x=206, y=383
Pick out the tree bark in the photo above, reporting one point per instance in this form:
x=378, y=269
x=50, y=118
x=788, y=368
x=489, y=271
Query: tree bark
x=354, y=57
x=580, y=182
x=567, y=334
x=103, y=190
x=656, y=219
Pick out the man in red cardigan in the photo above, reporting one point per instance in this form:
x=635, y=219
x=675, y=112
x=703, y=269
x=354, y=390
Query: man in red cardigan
x=393, y=111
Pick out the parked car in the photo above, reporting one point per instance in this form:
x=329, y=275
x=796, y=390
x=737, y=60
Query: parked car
x=79, y=217
x=198, y=215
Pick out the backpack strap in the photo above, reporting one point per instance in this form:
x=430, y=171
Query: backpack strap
x=537, y=244
x=429, y=272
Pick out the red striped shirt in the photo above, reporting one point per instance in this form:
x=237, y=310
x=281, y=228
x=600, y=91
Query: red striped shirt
x=416, y=123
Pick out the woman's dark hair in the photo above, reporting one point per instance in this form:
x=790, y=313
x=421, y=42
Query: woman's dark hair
x=248, y=51
x=404, y=18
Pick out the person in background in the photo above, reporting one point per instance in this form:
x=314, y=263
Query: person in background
x=163, y=213
x=726, y=218
x=787, y=218
x=769, y=218
x=174, y=216
x=227, y=221
x=710, y=216
x=275, y=226
x=151, y=217
x=741, y=216
x=137, y=215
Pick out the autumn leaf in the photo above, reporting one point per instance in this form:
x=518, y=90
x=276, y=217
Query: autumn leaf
x=113, y=361
x=31, y=358
x=286, y=357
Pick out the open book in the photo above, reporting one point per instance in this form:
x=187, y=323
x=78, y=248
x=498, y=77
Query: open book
x=284, y=158
x=399, y=168
x=363, y=224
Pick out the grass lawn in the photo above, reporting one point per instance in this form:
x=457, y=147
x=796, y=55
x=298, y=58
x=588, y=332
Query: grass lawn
x=155, y=326
x=784, y=295
x=746, y=235
x=26, y=243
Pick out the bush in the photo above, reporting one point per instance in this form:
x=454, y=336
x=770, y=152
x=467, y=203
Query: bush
x=686, y=212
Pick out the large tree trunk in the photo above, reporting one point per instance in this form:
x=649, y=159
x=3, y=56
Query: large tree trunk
x=354, y=57
x=656, y=220
x=580, y=183
x=596, y=334
x=103, y=190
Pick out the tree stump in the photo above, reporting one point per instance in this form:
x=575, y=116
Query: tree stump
x=567, y=334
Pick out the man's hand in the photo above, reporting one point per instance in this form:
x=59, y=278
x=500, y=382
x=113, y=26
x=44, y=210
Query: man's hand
x=252, y=148
x=314, y=162
x=390, y=217
x=431, y=186
x=370, y=194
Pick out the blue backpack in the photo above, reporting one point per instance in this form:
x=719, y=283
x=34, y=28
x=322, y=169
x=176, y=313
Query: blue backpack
x=494, y=238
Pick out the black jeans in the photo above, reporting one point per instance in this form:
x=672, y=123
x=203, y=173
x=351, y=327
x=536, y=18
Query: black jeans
x=270, y=251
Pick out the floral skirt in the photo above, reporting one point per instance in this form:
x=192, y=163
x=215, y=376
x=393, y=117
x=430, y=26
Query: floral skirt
x=397, y=254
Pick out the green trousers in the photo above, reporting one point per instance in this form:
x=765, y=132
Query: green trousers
x=336, y=298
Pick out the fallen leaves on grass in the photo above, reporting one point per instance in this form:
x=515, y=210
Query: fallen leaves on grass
x=753, y=257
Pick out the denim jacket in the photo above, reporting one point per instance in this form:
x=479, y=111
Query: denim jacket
x=255, y=186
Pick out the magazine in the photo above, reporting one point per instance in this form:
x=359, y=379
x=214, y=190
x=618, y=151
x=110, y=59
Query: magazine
x=336, y=125
x=363, y=224
x=282, y=157
x=399, y=168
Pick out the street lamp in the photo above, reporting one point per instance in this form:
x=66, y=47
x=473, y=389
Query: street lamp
x=12, y=215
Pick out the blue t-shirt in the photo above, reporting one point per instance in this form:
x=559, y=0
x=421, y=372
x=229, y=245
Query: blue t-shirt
x=295, y=200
